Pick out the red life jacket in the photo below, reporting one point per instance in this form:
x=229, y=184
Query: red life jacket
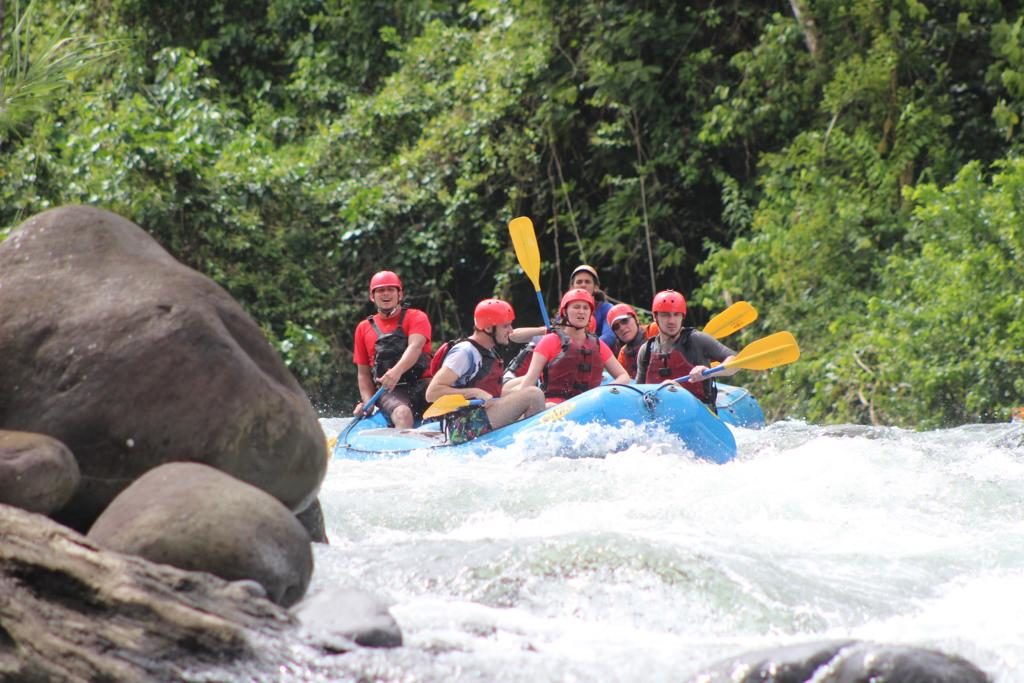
x=629, y=351
x=488, y=377
x=575, y=369
x=658, y=366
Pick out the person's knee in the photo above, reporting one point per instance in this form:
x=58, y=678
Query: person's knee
x=535, y=400
x=401, y=417
x=511, y=385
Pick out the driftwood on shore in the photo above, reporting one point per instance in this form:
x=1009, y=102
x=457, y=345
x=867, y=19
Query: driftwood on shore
x=71, y=611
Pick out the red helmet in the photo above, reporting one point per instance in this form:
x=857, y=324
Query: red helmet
x=620, y=311
x=669, y=301
x=492, y=312
x=585, y=269
x=576, y=295
x=384, y=278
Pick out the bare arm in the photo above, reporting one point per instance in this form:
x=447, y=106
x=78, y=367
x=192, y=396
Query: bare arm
x=441, y=385
x=537, y=363
x=364, y=378
x=615, y=369
x=521, y=335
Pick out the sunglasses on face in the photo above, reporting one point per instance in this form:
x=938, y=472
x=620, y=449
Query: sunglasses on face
x=617, y=324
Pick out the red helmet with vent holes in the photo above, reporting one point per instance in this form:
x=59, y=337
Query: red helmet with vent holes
x=669, y=301
x=619, y=311
x=384, y=278
x=491, y=313
x=574, y=295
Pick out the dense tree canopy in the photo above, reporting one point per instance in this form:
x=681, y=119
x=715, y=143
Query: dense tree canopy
x=851, y=167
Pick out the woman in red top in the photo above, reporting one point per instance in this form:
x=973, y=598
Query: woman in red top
x=571, y=359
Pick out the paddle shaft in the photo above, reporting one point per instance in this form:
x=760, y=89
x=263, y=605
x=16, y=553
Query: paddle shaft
x=703, y=376
x=543, y=310
x=373, y=399
x=363, y=413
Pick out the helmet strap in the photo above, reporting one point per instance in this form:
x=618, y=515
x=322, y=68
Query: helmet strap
x=490, y=332
x=493, y=334
x=577, y=327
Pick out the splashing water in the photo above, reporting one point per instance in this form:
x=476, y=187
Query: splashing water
x=648, y=565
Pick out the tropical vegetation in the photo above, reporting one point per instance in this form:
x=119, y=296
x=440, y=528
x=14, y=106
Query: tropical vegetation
x=851, y=167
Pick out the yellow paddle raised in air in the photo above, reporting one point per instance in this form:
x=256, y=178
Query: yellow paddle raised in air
x=732, y=319
x=524, y=240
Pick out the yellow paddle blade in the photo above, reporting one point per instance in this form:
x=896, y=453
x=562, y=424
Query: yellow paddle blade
x=445, y=405
x=524, y=240
x=732, y=319
x=765, y=353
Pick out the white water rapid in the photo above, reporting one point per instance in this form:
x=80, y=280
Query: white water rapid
x=647, y=565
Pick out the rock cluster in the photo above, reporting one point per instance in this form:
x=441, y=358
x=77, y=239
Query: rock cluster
x=139, y=402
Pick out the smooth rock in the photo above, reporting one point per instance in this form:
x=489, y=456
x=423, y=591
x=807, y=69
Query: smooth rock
x=197, y=518
x=843, y=661
x=312, y=519
x=37, y=473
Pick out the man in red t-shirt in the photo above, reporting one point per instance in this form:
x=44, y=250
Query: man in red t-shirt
x=392, y=350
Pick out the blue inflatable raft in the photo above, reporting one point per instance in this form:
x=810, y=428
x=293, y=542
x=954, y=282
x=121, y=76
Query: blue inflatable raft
x=738, y=407
x=556, y=431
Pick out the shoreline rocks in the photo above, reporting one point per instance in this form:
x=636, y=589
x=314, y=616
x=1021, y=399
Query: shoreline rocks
x=71, y=611
x=37, y=472
x=842, y=661
x=132, y=360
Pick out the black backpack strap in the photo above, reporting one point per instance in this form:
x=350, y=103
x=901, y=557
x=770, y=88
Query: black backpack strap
x=377, y=330
x=643, y=360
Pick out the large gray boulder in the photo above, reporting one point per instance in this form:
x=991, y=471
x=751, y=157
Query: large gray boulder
x=194, y=517
x=843, y=661
x=72, y=612
x=132, y=360
x=37, y=472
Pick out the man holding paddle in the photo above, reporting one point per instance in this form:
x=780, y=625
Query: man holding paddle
x=472, y=369
x=391, y=350
x=677, y=350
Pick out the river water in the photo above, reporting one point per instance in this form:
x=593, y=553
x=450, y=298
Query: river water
x=647, y=565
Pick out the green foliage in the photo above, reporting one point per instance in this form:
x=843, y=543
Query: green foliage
x=831, y=207
x=426, y=182
x=942, y=342
x=41, y=51
x=833, y=170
